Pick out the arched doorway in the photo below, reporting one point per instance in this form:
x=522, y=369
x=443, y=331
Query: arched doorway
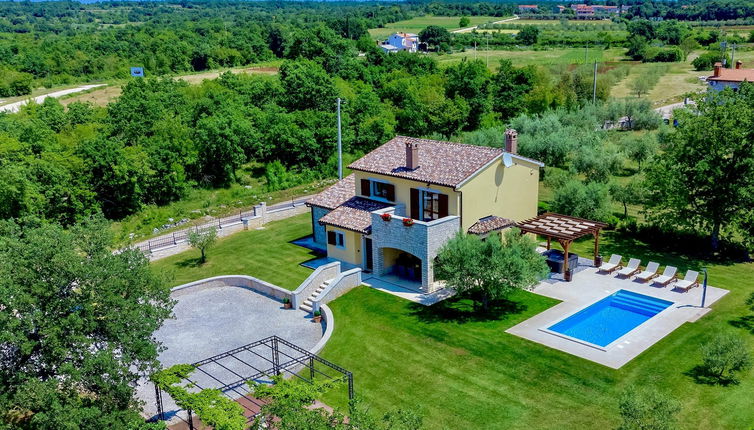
x=402, y=264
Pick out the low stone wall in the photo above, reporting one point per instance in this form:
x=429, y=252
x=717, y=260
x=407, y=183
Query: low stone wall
x=342, y=284
x=320, y=275
x=329, y=321
x=242, y=281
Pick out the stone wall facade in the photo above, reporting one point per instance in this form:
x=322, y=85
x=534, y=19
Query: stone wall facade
x=422, y=240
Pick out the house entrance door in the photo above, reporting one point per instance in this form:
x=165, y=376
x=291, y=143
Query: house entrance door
x=368, y=257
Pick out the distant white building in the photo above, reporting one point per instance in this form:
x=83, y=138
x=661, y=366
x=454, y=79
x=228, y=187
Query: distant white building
x=722, y=78
x=401, y=42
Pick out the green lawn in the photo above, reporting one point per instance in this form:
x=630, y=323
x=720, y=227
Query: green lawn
x=265, y=254
x=419, y=23
x=463, y=372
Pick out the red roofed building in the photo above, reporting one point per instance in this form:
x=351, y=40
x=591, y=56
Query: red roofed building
x=723, y=78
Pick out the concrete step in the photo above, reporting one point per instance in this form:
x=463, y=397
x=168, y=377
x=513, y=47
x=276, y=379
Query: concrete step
x=307, y=302
x=305, y=308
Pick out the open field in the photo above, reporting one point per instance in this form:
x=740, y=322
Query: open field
x=540, y=22
x=102, y=96
x=460, y=370
x=265, y=254
x=417, y=24
x=679, y=80
x=535, y=57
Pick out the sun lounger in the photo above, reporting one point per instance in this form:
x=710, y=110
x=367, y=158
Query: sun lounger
x=690, y=281
x=631, y=268
x=668, y=276
x=611, y=265
x=650, y=272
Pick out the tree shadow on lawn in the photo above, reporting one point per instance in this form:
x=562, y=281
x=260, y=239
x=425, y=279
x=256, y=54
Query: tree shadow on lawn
x=462, y=310
x=189, y=263
x=702, y=376
x=745, y=322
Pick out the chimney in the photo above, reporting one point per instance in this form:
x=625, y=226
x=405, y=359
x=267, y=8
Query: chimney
x=511, y=141
x=412, y=155
x=739, y=63
x=718, y=66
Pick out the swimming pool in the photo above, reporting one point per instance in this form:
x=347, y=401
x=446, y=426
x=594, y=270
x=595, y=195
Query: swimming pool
x=604, y=322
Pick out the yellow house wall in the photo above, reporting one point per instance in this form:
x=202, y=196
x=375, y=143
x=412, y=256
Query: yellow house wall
x=511, y=192
x=352, y=251
x=403, y=190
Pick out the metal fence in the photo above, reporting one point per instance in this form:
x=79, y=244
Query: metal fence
x=181, y=236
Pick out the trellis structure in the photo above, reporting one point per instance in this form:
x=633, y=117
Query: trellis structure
x=564, y=229
x=230, y=371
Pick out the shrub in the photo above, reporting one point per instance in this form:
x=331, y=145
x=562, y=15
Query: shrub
x=707, y=61
x=724, y=356
x=647, y=409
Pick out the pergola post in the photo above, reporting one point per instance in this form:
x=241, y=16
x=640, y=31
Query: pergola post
x=548, y=242
x=565, y=244
x=596, y=247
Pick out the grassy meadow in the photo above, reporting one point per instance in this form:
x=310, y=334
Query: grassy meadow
x=417, y=24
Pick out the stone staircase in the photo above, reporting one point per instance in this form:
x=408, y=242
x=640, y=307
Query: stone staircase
x=307, y=305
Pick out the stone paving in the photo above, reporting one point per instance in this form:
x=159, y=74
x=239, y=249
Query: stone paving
x=588, y=287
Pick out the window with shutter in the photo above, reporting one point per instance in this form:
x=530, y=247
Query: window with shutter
x=331, y=238
x=390, y=192
x=365, y=188
x=415, y=204
x=443, y=205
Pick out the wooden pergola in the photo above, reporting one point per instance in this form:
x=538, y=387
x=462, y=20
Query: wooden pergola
x=565, y=229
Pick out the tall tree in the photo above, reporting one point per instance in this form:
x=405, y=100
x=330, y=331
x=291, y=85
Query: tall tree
x=76, y=326
x=490, y=269
x=470, y=80
x=705, y=178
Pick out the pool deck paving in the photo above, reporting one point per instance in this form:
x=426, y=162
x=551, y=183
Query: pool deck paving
x=588, y=287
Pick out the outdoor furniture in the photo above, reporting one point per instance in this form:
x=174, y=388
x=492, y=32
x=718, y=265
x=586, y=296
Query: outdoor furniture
x=631, y=268
x=650, y=272
x=556, y=260
x=690, y=281
x=611, y=265
x=565, y=229
x=668, y=276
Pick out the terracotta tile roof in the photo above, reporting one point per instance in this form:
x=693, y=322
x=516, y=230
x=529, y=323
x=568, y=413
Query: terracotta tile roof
x=490, y=223
x=336, y=194
x=354, y=215
x=440, y=163
x=734, y=75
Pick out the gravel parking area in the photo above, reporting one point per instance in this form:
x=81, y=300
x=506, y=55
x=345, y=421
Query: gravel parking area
x=211, y=320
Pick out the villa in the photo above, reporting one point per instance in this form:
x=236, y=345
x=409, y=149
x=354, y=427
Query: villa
x=401, y=42
x=409, y=196
x=723, y=78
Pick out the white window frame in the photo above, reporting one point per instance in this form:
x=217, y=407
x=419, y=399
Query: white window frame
x=372, y=182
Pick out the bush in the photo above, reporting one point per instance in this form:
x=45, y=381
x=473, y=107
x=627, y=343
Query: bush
x=14, y=84
x=647, y=409
x=707, y=61
x=666, y=55
x=724, y=356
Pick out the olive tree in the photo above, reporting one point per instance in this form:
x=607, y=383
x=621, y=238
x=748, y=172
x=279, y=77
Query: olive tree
x=492, y=268
x=724, y=356
x=647, y=409
x=202, y=239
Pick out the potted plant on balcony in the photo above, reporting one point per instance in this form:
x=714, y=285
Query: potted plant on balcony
x=286, y=303
x=386, y=216
x=317, y=316
x=408, y=222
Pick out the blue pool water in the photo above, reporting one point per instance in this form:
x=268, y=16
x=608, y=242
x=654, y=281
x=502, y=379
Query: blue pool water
x=610, y=318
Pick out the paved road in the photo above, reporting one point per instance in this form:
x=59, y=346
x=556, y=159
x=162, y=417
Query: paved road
x=667, y=110
x=468, y=29
x=14, y=107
